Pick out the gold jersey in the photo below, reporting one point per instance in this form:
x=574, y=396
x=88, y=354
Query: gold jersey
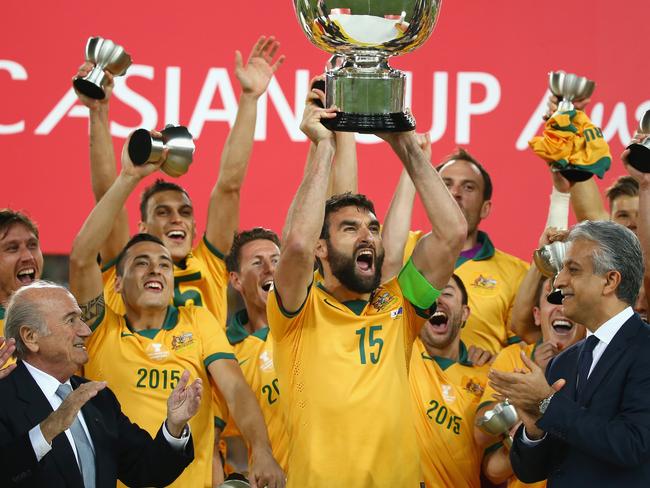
x=143, y=367
x=445, y=394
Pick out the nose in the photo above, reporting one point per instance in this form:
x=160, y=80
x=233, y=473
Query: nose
x=269, y=266
x=83, y=330
x=560, y=280
x=26, y=254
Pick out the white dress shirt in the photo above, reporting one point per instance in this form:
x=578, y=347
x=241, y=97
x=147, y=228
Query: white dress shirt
x=48, y=385
x=605, y=333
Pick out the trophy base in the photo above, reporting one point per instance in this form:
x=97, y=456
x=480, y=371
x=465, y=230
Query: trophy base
x=576, y=175
x=639, y=157
x=89, y=89
x=371, y=123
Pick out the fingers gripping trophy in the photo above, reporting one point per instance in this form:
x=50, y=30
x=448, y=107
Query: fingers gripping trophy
x=362, y=35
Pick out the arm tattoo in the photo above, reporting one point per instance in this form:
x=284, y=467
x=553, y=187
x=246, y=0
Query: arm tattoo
x=92, y=309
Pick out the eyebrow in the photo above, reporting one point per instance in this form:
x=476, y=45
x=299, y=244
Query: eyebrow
x=71, y=315
x=147, y=256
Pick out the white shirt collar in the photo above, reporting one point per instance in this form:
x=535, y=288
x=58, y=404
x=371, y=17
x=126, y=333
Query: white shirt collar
x=47, y=383
x=606, y=332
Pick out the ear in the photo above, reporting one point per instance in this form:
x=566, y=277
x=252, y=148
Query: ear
x=537, y=315
x=485, y=209
x=612, y=282
x=321, y=249
x=235, y=281
x=142, y=228
x=118, y=284
x=464, y=314
x=29, y=338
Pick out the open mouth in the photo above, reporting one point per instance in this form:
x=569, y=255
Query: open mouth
x=562, y=326
x=365, y=260
x=267, y=285
x=80, y=346
x=176, y=235
x=155, y=286
x=26, y=276
x=439, y=322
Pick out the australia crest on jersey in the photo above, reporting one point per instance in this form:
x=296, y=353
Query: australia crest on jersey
x=182, y=341
x=383, y=300
x=485, y=282
x=473, y=385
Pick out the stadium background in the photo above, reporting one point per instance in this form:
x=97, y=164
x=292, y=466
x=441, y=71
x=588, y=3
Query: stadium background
x=479, y=82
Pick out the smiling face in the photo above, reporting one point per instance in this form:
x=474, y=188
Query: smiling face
x=625, y=211
x=443, y=327
x=257, y=262
x=21, y=260
x=170, y=217
x=353, y=253
x=148, y=278
x=556, y=327
x=61, y=350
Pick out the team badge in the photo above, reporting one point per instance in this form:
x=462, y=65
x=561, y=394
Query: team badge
x=157, y=351
x=473, y=386
x=383, y=301
x=485, y=282
x=266, y=361
x=448, y=393
x=182, y=341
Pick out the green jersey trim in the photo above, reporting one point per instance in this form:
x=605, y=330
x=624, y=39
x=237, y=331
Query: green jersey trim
x=216, y=356
x=486, y=251
x=2, y=312
x=492, y=448
x=513, y=340
x=445, y=363
x=415, y=287
x=109, y=264
x=98, y=320
x=171, y=321
x=236, y=332
x=219, y=423
x=285, y=312
x=213, y=249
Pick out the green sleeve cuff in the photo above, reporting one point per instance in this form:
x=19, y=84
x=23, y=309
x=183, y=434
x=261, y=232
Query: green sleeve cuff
x=513, y=340
x=219, y=423
x=108, y=265
x=213, y=249
x=216, y=356
x=416, y=288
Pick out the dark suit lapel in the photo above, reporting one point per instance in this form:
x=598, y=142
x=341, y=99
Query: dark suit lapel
x=609, y=358
x=37, y=409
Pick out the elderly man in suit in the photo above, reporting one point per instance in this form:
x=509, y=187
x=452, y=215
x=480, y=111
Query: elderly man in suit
x=59, y=430
x=588, y=422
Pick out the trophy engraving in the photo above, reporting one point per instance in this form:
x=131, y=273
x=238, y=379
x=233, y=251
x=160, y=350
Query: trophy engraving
x=363, y=34
x=146, y=148
x=105, y=55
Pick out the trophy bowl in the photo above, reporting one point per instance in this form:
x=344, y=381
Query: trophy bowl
x=363, y=34
x=499, y=420
x=549, y=260
x=146, y=148
x=568, y=87
x=105, y=55
x=639, y=156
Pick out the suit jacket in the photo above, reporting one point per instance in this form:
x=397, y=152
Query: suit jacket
x=122, y=449
x=602, y=438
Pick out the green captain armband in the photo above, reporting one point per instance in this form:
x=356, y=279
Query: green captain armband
x=416, y=288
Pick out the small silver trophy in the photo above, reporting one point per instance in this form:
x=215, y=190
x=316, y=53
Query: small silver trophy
x=549, y=260
x=105, y=55
x=363, y=35
x=568, y=87
x=499, y=421
x=145, y=148
x=639, y=156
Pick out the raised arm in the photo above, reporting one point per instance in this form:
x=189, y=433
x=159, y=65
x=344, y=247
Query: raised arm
x=586, y=201
x=436, y=253
x=254, y=78
x=102, y=162
x=85, y=275
x=345, y=177
x=295, y=270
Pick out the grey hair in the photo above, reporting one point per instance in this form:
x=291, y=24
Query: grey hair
x=23, y=310
x=618, y=249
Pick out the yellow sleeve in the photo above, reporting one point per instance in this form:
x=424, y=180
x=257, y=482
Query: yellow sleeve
x=281, y=322
x=112, y=299
x=215, y=345
x=215, y=262
x=412, y=240
x=507, y=360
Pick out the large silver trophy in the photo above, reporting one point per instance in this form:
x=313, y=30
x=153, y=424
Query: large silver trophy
x=146, y=148
x=549, y=260
x=105, y=55
x=569, y=87
x=639, y=156
x=362, y=35
x=499, y=421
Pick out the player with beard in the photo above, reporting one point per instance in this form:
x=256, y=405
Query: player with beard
x=21, y=263
x=445, y=390
x=342, y=345
x=251, y=263
x=557, y=334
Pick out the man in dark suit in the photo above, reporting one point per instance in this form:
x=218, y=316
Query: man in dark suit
x=587, y=423
x=59, y=430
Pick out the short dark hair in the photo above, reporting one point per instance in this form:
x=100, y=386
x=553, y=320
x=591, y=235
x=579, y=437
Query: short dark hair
x=243, y=238
x=337, y=202
x=10, y=217
x=142, y=237
x=539, y=291
x=623, y=186
x=461, y=153
x=461, y=287
x=158, y=186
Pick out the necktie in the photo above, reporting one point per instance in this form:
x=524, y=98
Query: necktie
x=82, y=443
x=584, y=363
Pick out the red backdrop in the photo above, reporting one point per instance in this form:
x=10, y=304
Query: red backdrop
x=479, y=82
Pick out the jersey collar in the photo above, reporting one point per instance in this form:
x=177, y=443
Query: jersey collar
x=444, y=363
x=236, y=332
x=356, y=306
x=2, y=312
x=171, y=320
x=486, y=252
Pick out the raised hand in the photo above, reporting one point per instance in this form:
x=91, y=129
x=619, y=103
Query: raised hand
x=553, y=102
x=183, y=403
x=7, y=348
x=62, y=418
x=142, y=170
x=478, y=356
x=255, y=75
x=544, y=353
x=311, y=120
x=91, y=103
